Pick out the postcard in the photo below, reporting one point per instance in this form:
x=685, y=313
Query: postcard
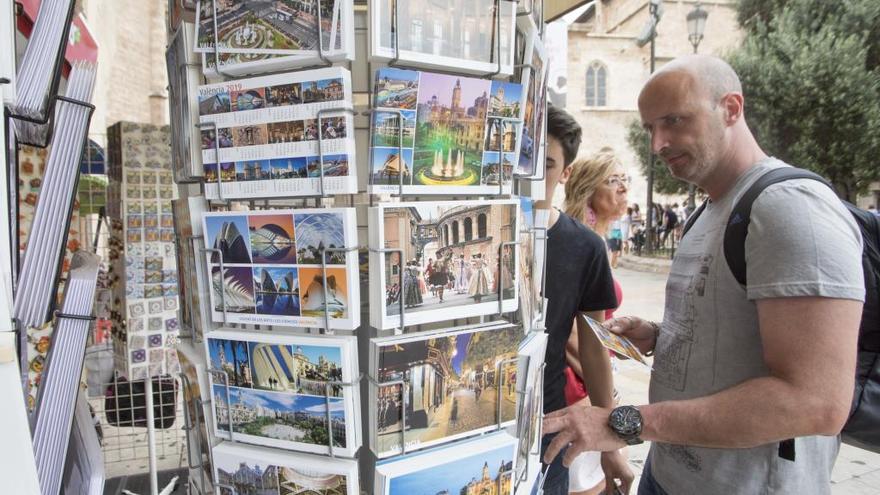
x=620, y=345
x=483, y=465
x=272, y=269
x=532, y=145
x=283, y=390
x=533, y=238
x=468, y=35
x=443, y=134
x=457, y=383
x=258, y=470
x=271, y=26
x=266, y=131
x=458, y=259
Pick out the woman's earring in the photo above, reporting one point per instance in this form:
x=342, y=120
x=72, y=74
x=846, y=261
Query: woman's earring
x=591, y=217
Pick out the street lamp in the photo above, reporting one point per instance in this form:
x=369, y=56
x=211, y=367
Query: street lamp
x=696, y=21
x=649, y=34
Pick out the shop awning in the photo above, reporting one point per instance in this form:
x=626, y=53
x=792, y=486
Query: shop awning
x=554, y=9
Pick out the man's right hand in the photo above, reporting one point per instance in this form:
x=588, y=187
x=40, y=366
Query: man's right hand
x=642, y=333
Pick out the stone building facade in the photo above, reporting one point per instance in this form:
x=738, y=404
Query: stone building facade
x=601, y=45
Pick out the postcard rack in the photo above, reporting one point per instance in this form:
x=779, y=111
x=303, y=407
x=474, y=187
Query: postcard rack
x=191, y=426
x=52, y=95
x=198, y=251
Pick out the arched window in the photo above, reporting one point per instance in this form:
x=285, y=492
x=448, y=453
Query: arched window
x=468, y=229
x=455, y=232
x=481, y=226
x=597, y=76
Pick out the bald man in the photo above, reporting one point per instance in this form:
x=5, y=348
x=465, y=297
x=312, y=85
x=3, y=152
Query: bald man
x=738, y=370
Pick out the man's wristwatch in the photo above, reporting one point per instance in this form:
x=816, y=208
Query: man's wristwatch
x=626, y=422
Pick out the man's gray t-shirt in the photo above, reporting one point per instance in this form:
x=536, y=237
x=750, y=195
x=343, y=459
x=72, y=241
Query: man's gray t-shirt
x=802, y=242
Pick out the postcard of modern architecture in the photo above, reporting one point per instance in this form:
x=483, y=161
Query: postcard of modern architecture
x=476, y=467
x=473, y=36
x=272, y=272
x=458, y=382
x=266, y=132
x=458, y=258
x=443, y=134
x=285, y=391
x=262, y=471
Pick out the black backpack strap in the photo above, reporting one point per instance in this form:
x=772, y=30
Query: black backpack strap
x=735, y=240
x=740, y=216
x=692, y=218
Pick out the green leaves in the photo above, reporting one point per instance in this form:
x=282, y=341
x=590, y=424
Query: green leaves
x=811, y=80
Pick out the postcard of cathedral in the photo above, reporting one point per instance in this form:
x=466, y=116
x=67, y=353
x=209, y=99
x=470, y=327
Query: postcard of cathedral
x=443, y=134
x=272, y=273
x=276, y=27
x=458, y=382
x=258, y=470
x=481, y=466
x=459, y=35
x=284, y=135
x=280, y=390
x=458, y=259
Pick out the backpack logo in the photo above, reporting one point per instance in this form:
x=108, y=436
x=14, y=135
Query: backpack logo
x=735, y=219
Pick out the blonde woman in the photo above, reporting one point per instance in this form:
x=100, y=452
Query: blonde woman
x=595, y=195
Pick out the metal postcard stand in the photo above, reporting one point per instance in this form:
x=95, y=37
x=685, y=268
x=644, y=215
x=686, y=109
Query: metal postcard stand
x=213, y=126
x=545, y=239
x=531, y=11
x=503, y=122
x=230, y=423
x=188, y=262
x=500, y=276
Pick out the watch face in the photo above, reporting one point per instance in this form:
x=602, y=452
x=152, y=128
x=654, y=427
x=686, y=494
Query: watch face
x=626, y=421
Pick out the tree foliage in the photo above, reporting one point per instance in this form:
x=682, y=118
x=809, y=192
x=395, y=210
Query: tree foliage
x=811, y=76
x=664, y=182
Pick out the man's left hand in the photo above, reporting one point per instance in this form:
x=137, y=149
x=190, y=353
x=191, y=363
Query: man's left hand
x=581, y=428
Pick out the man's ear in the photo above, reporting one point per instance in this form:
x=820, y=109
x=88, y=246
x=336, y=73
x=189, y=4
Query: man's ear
x=733, y=105
x=566, y=174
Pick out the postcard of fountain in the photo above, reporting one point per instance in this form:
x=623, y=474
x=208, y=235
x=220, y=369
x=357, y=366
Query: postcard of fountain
x=277, y=27
x=266, y=131
x=443, y=134
x=481, y=466
x=271, y=267
x=458, y=382
x=275, y=390
x=468, y=36
x=263, y=471
x=458, y=258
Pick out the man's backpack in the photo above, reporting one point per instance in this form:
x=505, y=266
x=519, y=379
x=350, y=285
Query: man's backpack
x=862, y=429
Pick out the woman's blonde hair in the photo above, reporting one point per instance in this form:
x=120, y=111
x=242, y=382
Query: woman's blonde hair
x=587, y=175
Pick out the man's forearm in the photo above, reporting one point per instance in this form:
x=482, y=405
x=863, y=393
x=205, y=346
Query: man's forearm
x=755, y=412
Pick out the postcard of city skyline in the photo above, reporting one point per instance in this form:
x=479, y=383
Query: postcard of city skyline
x=455, y=475
x=397, y=88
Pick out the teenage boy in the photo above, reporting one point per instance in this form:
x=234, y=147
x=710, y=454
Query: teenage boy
x=578, y=282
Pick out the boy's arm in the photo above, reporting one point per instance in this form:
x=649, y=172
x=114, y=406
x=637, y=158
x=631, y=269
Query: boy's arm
x=595, y=362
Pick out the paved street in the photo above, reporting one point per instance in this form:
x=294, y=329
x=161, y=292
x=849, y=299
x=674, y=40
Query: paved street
x=857, y=472
x=470, y=414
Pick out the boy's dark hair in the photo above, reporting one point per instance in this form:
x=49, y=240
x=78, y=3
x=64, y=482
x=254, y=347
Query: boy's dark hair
x=566, y=130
